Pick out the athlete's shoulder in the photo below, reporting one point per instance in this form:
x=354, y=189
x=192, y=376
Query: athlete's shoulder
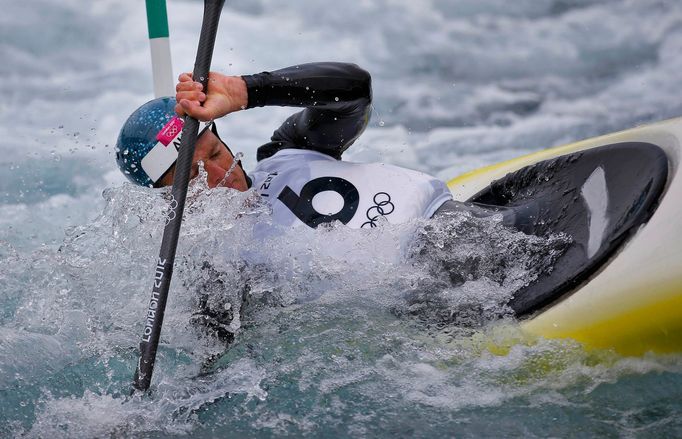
x=292, y=156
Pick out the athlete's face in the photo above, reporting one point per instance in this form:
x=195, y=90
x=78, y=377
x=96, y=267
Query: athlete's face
x=217, y=160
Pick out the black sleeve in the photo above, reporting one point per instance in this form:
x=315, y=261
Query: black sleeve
x=337, y=98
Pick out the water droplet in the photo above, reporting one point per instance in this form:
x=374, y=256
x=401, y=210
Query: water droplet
x=336, y=98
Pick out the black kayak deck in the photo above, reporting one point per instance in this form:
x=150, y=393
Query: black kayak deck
x=598, y=197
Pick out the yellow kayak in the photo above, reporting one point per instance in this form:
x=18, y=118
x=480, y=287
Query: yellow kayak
x=624, y=194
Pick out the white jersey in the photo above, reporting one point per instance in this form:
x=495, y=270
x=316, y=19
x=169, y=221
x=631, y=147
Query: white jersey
x=309, y=187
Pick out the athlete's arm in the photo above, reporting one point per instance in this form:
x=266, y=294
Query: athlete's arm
x=337, y=98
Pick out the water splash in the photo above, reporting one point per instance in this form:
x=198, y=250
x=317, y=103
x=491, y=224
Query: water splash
x=233, y=263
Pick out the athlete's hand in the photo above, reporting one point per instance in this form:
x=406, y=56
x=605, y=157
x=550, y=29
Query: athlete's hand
x=225, y=94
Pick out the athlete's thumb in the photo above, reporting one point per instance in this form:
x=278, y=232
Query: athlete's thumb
x=194, y=109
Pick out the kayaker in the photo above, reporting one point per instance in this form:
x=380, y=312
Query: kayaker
x=299, y=171
x=303, y=157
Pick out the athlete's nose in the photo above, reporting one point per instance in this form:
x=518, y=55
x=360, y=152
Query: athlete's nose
x=215, y=174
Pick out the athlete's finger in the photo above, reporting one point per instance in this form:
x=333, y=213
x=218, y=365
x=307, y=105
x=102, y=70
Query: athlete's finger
x=179, y=110
x=190, y=95
x=184, y=77
x=188, y=85
x=190, y=107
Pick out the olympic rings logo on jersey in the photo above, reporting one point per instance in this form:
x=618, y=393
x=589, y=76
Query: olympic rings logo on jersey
x=383, y=207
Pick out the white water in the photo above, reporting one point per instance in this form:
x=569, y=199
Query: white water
x=325, y=349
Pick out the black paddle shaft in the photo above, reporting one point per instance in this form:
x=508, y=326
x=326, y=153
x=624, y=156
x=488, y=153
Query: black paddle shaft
x=169, y=243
